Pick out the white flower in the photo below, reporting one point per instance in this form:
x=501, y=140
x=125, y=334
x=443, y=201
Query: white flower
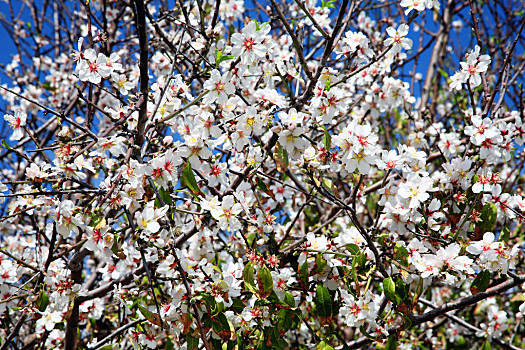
x=249, y=44
x=317, y=243
x=416, y=5
x=122, y=83
x=486, y=246
x=226, y=214
x=291, y=140
x=219, y=87
x=93, y=67
x=398, y=38
x=147, y=219
x=415, y=189
x=48, y=320
x=17, y=123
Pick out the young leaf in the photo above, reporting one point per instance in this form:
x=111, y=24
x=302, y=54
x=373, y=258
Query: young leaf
x=481, y=282
x=225, y=58
x=165, y=196
x=323, y=304
x=303, y=274
x=488, y=216
x=505, y=234
x=152, y=317
x=289, y=299
x=248, y=277
x=4, y=144
x=189, y=179
x=401, y=254
x=418, y=292
x=391, y=343
x=327, y=140
x=320, y=263
x=324, y=346
x=265, y=281
x=390, y=291
x=43, y=301
x=284, y=320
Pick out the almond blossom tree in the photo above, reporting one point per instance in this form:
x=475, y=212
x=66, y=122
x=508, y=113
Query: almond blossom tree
x=283, y=174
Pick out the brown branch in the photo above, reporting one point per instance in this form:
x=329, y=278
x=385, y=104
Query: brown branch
x=506, y=61
x=467, y=325
x=13, y=333
x=75, y=265
x=140, y=19
x=473, y=12
x=296, y=44
x=103, y=290
x=117, y=332
x=453, y=305
x=193, y=306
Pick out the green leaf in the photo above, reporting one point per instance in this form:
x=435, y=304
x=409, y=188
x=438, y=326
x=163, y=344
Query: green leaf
x=251, y=237
x=284, y=320
x=488, y=216
x=402, y=289
x=188, y=177
x=238, y=306
x=165, y=196
x=225, y=58
x=289, y=299
x=353, y=248
x=328, y=3
x=481, y=282
x=354, y=274
x=391, y=343
x=505, y=234
x=320, y=263
x=324, y=346
x=151, y=316
x=486, y=346
x=48, y=87
x=4, y=144
x=265, y=281
x=96, y=220
x=210, y=303
x=303, y=274
x=218, y=55
x=327, y=140
x=366, y=334
x=43, y=301
x=390, y=291
x=383, y=239
x=222, y=327
x=401, y=254
x=323, y=301
x=273, y=298
x=216, y=344
x=169, y=344
x=328, y=184
x=261, y=185
x=418, y=292
x=278, y=342
x=443, y=73
x=460, y=343
x=361, y=260
x=248, y=277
